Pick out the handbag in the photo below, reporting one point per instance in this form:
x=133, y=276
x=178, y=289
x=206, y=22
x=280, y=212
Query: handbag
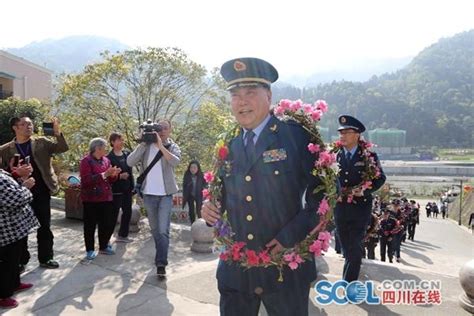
x=141, y=178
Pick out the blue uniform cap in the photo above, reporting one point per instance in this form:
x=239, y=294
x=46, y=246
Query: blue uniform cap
x=248, y=71
x=350, y=122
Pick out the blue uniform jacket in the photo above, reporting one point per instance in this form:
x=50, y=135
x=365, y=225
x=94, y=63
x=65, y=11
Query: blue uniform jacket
x=264, y=200
x=350, y=174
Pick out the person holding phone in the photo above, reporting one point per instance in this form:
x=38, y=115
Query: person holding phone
x=35, y=155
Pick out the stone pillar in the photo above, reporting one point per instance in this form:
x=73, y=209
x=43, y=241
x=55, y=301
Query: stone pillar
x=466, y=278
x=134, y=220
x=203, y=236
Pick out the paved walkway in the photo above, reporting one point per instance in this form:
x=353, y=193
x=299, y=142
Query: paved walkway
x=126, y=284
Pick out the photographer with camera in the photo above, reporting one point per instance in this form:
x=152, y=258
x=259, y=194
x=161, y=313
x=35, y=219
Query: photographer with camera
x=157, y=156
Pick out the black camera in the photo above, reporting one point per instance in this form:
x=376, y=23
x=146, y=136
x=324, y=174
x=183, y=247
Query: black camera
x=148, y=135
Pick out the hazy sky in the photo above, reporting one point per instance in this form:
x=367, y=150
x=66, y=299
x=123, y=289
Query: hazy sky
x=296, y=36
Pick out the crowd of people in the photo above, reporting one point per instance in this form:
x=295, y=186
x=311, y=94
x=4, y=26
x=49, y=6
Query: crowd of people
x=391, y=224
x=269, y=191
x=433, y=210
x=27, y=181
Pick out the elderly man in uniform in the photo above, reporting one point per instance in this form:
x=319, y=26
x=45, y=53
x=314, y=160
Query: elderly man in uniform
x=353, y=217
x=263, y=196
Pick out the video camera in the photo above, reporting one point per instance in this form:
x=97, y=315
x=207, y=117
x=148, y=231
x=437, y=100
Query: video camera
x=148, y=135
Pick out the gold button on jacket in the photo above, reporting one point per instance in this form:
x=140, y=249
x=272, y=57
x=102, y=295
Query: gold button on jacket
x=258, y=290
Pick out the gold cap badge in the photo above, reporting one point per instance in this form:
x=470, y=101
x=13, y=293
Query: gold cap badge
x=239, y=66
x=343, y=120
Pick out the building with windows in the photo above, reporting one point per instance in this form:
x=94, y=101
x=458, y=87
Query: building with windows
x=23, y=79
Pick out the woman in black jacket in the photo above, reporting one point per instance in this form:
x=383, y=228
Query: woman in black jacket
x=122, y=188
x=193, y=184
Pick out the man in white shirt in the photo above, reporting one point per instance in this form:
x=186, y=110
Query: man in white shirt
x=158, y=188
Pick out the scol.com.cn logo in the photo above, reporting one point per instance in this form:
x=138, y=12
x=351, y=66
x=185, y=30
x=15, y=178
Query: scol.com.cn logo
x=389, y=292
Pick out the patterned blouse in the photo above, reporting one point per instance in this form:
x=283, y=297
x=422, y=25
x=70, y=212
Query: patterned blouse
x=16, y=216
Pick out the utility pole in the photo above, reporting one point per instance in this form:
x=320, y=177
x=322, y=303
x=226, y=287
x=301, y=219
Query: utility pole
x=460, y=202
x=461, y=180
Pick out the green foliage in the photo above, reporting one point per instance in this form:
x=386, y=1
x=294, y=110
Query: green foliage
x=126, y=89
x=13, y=107
x=198, y=137
x=431, y=98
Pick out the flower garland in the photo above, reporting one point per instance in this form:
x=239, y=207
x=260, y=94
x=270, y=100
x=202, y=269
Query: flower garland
x=325, y=167
x=371, y=170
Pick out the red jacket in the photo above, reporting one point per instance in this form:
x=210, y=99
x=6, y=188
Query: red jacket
x=94, y=188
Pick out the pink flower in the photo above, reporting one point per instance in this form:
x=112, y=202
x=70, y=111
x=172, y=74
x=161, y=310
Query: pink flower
x=316, y=248
x=368, y=145
x=325, y=159
x=313, y=148
x=289, y=257
x=296, y=105
x=298, y=259
x=321, y=105
x=252, y=258
x=338, y=143
x=324, y=236
x=316, y=115
x=279, y=110
x=209, y=176
x=307, y=108
x=293, y=260
x=206, y=194
x=366, y=185
x=293, y=265
x=285, y=104
x=264, y=256
x=323, y=207
x=350, y=198
x=325, y=245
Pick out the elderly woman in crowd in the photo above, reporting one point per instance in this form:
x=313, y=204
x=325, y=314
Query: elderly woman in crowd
x=16, y=222
x=97, y=175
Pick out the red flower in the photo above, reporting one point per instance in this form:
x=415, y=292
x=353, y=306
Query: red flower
x=224, y=256
x=264, y=256
x=206, y=194
x=208, y=176
x=236, y=247
x=223, y=152
x=252, y=258
x=236, y=255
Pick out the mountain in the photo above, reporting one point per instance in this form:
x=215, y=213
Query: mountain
x=69, y=54
x=358, y=70
x=431, y=98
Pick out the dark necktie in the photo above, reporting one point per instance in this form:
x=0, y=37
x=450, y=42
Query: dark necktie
x=249, y=146
x=348, y=156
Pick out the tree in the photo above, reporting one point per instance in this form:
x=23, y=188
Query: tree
x=13, y=107
x=128, y=88
x=198, y=138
